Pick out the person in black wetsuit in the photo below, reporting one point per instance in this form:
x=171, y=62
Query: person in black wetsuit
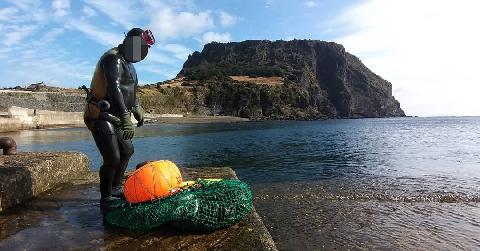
x=111, y=100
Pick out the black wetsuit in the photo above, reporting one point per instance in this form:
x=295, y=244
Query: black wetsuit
x=115, y=80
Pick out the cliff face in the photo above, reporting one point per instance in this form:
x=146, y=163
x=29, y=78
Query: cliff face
x=318, y=79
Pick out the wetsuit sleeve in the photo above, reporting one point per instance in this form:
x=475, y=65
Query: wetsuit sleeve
x=136, y=90
x=112, y=68
x=136, y=95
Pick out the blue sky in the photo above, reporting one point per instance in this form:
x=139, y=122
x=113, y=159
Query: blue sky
x=60, y=41
x=406, y=42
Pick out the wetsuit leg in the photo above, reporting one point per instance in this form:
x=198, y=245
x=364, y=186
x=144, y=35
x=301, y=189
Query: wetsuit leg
x=126, y=151
x=107, y=143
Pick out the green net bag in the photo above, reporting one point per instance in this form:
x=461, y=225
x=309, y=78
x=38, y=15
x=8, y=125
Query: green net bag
x=208, y=205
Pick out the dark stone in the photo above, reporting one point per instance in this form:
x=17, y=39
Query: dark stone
x=8, y=145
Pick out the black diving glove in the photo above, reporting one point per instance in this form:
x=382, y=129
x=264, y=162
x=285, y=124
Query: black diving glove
x=127, y=126
x=138, y=114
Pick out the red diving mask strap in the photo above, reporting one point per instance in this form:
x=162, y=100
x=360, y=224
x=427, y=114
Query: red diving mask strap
x=147, y=35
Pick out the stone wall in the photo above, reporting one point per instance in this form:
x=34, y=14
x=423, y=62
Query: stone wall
x=52, y=101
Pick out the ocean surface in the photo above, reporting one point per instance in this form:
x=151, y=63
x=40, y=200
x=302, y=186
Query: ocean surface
x=409, y=183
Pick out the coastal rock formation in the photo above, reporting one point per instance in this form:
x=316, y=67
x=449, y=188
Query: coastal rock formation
x=300, y=79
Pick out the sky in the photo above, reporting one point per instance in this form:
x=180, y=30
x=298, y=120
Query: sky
x=427, y=49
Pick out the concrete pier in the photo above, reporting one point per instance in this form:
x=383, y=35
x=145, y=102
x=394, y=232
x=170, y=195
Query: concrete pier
x=19, y=118
x=68, y=217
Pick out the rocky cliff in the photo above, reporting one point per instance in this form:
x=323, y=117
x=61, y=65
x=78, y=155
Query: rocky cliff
x=304, y=79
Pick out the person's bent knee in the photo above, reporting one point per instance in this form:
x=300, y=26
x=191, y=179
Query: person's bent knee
x=112, y=160
x=103, y=127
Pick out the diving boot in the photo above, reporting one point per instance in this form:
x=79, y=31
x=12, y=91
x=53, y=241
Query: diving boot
x=106, y=204
x=117, y=192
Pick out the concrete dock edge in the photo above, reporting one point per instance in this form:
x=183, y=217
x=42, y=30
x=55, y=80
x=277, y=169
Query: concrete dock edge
x=25, y=175
x=67, y=217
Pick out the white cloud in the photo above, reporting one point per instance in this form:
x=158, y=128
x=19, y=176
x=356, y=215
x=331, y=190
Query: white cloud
x=269, y=3
x=168, y=24
x=428, y=50
x=179, y=51
x=8, y=14
x=122, y=12
x=24, y=4
x=5, y=52
x=311, y=4
x=47, y=68
x=95, y=33
x=29, y=39
x=51, y=35
x=178, y=5
x=226, y=19
x=17, y=33
x=154, y=56
x=51, y=64
x=28, y=11
x=159, y=70
x=32, y=27
x=89, y=12
x=61, y=7
x=217, y=37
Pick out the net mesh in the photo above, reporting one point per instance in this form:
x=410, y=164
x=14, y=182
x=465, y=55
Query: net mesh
x=207, y=205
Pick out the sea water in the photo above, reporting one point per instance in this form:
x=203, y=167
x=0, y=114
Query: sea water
x=410, y=183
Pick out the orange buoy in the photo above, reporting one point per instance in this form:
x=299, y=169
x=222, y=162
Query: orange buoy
x=154, y=180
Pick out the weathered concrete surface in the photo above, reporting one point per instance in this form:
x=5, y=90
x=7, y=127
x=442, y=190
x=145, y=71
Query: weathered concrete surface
x=24, y=118
x=25, y=175
x=10, y=124
x=69, y=219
